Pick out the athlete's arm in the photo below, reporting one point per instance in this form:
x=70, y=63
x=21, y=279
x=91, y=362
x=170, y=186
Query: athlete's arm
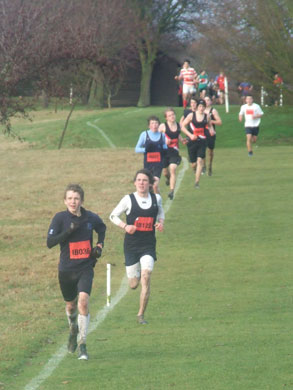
x=162, y=128
x=159, y=225
x=217, y=121
x=166, y=142
x=241, y=114
x=124, y=206
x=140, y=148
x=100, y=229
x=181, y=121
x=55, y=234
x=184, y=129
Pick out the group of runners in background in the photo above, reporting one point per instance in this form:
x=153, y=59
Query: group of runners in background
x=190, y=82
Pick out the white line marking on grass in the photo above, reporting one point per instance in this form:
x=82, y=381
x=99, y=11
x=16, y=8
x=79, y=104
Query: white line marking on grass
x=57, y=358
x=132, y=111
x=102, y=133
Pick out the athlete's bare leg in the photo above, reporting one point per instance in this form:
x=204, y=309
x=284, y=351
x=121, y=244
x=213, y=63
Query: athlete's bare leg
x=199, y=166
x=145, y=290
x=249, y=142
x=83, y=303
x=156, y=185
x=166, y=173
x=211, y=157
x=133, y=283
x=172, y=169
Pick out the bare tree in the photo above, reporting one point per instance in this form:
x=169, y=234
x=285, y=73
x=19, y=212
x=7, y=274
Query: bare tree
x=98, y=32
x=29, y=39
x=153, y=19
x=254, y=38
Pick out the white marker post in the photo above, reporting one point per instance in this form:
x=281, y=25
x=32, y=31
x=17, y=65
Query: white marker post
x=108, y=284
x=226, y=94
x=262, y=96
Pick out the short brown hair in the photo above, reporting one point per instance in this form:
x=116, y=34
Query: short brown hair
x=153, y=118
x=75, y=188
x=146, y=172
x=169, y=109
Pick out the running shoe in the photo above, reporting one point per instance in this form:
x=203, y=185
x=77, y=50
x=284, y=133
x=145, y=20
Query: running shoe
x=141, y=320
x=82, y=352
x=72, y=339
x=250, y=154
x=210, y=172
x=203, y=170
x=196, y=185
x=171, y=195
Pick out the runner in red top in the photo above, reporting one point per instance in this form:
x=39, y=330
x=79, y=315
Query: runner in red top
x=220, y=79
x=194, y=126
x=172, y=159
x=189, y=76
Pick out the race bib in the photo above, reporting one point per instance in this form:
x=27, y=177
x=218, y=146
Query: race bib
x=153, y=157
x=249, y=112
x=80, y=250
x=144, y=224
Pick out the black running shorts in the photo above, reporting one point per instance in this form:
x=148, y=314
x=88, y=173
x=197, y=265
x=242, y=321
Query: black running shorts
x=211, y=140
x=252, y=130
x=171, y=157
x=196, y=149
x=74, y=282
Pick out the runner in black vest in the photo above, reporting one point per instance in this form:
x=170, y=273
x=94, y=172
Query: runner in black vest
x=194, y=127
x=172, y=159
x=73, y=231
x=211, y=131
x=144, y=215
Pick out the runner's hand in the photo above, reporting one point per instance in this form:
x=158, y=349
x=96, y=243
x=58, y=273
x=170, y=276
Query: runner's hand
x=159, y=226
x=130, y=229
x=96, y=252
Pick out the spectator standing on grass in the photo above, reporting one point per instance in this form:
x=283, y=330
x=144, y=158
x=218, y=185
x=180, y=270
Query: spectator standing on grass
x=144, y=215
x=220, y=80
x=212, y=90
x=245, y=88
x=152, y=144
x=252, y=114
x=188, y=75
x=172, y=159
x=73, y=231
x=215, y=120
x=278, y=83
x=203, y=80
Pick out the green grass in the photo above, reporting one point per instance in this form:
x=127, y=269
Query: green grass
x=123, y=127
x=220, y=313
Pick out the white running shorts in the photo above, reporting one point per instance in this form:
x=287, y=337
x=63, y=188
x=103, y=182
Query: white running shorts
x=145, y=262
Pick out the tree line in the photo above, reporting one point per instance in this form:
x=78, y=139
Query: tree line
x=88, y=45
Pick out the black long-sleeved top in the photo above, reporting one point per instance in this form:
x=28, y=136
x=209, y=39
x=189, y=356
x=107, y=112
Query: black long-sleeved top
x=76, y=246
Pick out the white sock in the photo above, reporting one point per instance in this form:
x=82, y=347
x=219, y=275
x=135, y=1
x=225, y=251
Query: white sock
x=83, y=323
x=71, y=317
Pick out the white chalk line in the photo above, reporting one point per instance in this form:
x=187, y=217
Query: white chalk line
x=132, y=111
x=103, y=134
x=56, y=359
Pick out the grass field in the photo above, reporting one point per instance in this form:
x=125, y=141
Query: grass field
x=220, y=313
